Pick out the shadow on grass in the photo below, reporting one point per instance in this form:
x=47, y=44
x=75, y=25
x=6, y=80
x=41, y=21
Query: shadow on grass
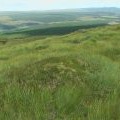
x=55, y=30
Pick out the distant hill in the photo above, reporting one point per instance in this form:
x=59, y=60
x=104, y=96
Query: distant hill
x=26, y=20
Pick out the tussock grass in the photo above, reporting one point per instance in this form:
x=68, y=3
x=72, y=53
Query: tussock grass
x=70, y=77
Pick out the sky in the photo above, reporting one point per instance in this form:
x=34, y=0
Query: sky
x=24, y=5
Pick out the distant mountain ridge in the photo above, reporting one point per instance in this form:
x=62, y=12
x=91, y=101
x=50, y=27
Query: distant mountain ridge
x=72, y=9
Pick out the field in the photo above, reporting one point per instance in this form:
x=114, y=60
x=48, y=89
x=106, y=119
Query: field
x=17, y=21
x=68, y=72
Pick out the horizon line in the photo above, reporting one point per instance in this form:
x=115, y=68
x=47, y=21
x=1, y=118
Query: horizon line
x=59, y=9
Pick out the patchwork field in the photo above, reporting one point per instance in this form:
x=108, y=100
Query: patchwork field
x=17, y=21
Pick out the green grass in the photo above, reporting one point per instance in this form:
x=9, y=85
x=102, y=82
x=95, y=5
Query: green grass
x=65, y=77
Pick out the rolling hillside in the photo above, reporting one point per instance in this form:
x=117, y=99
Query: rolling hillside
x=15, y=21
x=72, y=76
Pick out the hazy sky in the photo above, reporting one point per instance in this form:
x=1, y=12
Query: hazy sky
x=7, y=5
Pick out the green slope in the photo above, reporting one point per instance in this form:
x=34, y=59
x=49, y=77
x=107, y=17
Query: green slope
x=67, y=77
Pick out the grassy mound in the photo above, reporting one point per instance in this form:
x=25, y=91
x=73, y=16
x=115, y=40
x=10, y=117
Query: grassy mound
x=70, y=77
